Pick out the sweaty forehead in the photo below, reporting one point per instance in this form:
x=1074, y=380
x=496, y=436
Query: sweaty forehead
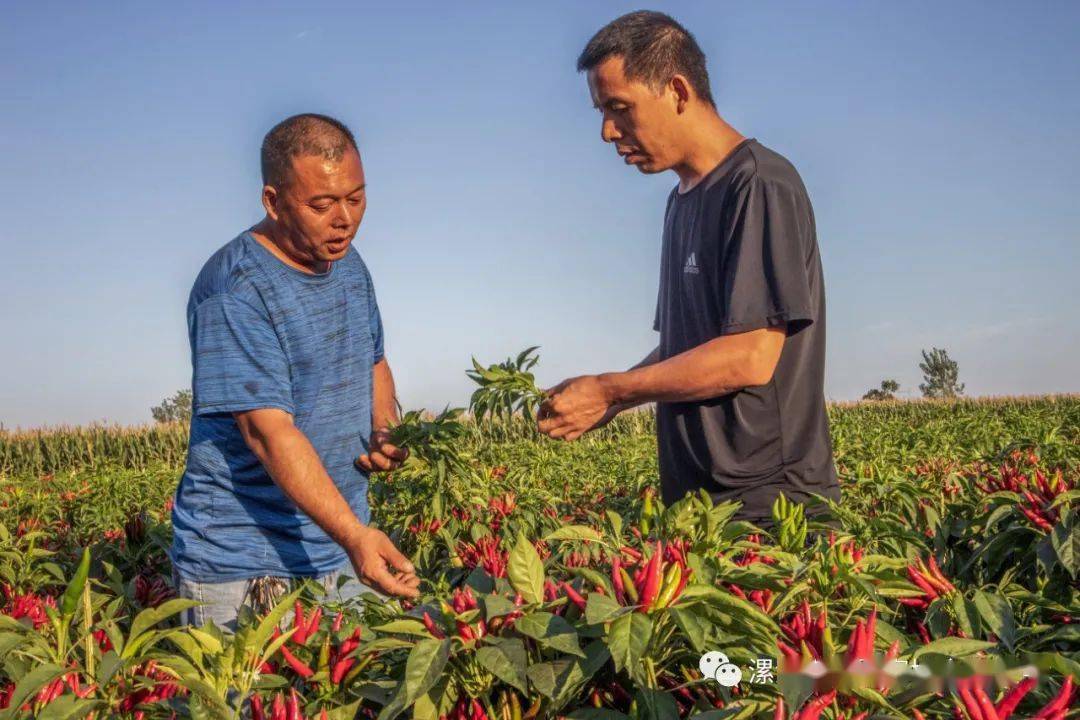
x=317, y=174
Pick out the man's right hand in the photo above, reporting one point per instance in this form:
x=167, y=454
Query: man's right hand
x=381, y=565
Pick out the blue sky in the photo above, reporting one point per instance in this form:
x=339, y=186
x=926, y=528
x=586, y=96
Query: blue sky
x=939, y=144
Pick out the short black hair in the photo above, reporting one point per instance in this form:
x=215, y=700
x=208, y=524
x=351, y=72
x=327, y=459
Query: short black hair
x=305, y=134
x=654, y=47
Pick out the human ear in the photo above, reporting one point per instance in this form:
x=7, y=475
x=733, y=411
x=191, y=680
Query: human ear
x=269, y=201
x=680, y=88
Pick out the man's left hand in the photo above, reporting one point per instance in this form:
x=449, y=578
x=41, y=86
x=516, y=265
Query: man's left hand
x=573, y=407
x=381, y=454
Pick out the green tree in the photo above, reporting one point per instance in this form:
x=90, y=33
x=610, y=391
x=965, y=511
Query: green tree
x=940, y=374
x=174, y=409
x=887, y=391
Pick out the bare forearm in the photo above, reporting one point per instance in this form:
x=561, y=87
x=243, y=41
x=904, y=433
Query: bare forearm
x=295, y=467
x=715, y=368
x=383, y=396
x=651, y=359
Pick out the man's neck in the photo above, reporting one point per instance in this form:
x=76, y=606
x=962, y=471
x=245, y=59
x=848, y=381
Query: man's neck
x=709, y=142
x=265, y=234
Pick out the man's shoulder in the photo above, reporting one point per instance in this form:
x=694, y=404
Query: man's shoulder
x=354, y=269
x=231, y=270
x=766, y=166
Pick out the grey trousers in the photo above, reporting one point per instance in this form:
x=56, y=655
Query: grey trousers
x=221, y=601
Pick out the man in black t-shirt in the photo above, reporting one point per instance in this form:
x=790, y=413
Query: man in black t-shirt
x=738, y=375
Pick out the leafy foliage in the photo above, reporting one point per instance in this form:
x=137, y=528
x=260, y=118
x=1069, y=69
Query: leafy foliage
x=555, y=582
x=506, y=389
x=941, y=374
x=175, y=409
x=887, y=391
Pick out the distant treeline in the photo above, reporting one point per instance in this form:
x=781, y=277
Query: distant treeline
x=987, y=425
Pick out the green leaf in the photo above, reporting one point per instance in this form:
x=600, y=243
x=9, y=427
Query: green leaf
x=216, y=707
x=149, y=618
x=526, y=571
x=74, y=590
x=345, y=712
x=404, y=626
x=655, y=705
x=496, y=661
x=596, y=714
x=1066, y=544
x=559, y=679
x=952, y=647
x=110, y=663
x=718, y=599
x=9, y=641
x=550, y=631
x=265, y=629
x=996, y=612
x=698, y=631
x=496, y=606
x=435, y=703
x=964, y=613
x=69, y=707
x=29, y=685
x=601, y=609
x=574, y=532
x=627, y=639
x=424, y=666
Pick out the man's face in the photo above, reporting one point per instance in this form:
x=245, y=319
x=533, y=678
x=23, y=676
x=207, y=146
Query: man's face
x=321, y=206
x=638, y=121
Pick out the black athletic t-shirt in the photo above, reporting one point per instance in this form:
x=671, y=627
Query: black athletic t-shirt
x=740, y=253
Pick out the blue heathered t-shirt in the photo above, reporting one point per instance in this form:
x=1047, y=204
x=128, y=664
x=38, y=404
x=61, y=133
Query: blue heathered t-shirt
x=266, y=335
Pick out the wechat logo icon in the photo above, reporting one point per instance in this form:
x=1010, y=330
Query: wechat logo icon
x=716, y=666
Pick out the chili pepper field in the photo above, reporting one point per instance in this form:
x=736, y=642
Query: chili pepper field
x=556, y=584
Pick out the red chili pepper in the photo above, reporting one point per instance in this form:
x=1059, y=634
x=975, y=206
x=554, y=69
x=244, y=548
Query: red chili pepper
x=293, y=707
x=1056, y=708
x=341, y=669
x=940, y=576
x=313, y=622
x=792, y=657
x=918, y=715
x=985, y=705
x=574, y=596
x=338, y=619
x=869, y=631
x=778, y=713
x=296, y=664
x=855, y=643
x=432, y=627
x=277, y=709
x=813, y=709
x=916, y=577
x=653, y=574
x=1036, y=519
x=298, y=623
x=257, y=708
x=963, y=687
x=617, y=582
x=1013, y=697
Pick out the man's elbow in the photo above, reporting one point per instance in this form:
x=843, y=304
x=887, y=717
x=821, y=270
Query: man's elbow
x=758, y=373
x=762, y=357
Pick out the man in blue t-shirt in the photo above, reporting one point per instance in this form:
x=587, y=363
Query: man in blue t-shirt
x=292, y=394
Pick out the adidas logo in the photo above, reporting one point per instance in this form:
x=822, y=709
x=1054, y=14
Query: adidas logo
x=691, y=265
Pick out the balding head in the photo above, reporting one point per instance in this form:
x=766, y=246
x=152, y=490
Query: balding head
x=308, y=134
